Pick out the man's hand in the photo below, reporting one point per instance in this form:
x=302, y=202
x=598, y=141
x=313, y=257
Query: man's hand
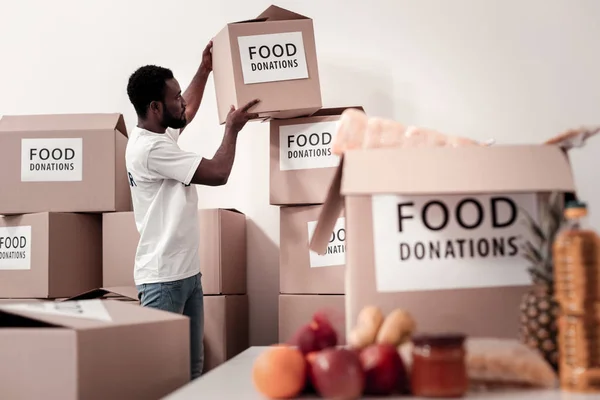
x=206, y=64
x=236, y=119
x=193, y=94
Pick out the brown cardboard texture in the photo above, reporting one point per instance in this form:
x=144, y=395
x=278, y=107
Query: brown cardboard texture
x=302, y=164
x=13, y=301
x=302, y=271
x=50, y=255
x=91, y=349
x=63, y=163
x=123, y=293
x=222, y=250
x=272, y=58
x=442, y=241
x=226, y=328
x=296, y=311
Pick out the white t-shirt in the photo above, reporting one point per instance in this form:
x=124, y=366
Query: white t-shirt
x=165, y=205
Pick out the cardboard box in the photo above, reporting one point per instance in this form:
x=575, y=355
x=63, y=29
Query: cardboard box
x=50, y=255
x=91, y=349
x=407, y=248
x=298, y=310
x=13, y=301
x=222, y=250
x=302, y=271
x=226, y=322
x=273, y=58
x=63, y=163
x=302, y=164
x=226, y=328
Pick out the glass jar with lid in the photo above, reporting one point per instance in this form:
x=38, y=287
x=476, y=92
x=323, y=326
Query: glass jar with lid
x=439, y=366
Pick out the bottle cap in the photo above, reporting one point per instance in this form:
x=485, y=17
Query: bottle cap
x=576, y=204
x=575, y=209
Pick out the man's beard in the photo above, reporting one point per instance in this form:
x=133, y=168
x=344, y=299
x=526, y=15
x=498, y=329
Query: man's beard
x=170, y=121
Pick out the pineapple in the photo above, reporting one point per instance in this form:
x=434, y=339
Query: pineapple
x=539, y=309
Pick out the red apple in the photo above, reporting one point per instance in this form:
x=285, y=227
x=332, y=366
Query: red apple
x=336, y=373
x=327, y=335
x=384, y=369
x=315, y=336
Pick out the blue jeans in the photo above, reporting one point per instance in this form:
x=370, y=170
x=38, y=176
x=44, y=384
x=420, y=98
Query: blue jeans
x=182, y=297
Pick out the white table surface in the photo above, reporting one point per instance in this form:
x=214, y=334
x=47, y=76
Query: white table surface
x=233, y=380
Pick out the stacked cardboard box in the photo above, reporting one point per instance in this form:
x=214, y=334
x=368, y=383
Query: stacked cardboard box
x=60, y=173
x=274, y=58
x=222, y=264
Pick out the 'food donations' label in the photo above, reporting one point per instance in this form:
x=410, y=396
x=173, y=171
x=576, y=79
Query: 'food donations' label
x=307, y=146
x=336, y=248
x=52, y=160
x=450, y=241
x=273, y=57
x=15, y=248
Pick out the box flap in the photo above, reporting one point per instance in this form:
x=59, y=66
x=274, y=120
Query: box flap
x=333, y=111
x=275, y=13
x=330, y=212
x=128, y=292
x=573, y=138
x=62, y=122
x=71, y=314
x=439, y=170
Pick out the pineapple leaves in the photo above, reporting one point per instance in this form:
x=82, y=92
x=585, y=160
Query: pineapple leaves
x=538, y=250
x=539, y=277
x=531, y=253
x=532, y=226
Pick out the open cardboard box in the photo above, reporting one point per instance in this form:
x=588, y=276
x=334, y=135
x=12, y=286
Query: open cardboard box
x=91, y=349
x=226, y=321
x=272, y=58
x=63, y=163
x=435, y=231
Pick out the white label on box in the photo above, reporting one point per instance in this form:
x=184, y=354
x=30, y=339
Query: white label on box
x=450, y=241
x=15, y=248
x=336, y=248
x=88, y=309
x=52, y=160
x=307, y=146
x=273, y=57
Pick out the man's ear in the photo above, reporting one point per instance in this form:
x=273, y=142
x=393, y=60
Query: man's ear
x=156, y=107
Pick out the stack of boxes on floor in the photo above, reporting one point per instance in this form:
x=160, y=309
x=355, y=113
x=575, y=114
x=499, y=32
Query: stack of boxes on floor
x=301, y=169
x=274, y=58
x=223, y=266
x=60, y=173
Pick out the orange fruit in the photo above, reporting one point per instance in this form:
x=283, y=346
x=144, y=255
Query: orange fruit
x=279, y=372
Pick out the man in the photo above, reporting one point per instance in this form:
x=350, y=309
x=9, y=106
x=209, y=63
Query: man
x=165, y=204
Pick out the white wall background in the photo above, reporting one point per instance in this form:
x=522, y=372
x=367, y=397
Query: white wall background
x=517, y=71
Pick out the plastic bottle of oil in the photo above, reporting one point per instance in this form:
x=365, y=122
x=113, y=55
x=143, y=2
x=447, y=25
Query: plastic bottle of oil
x=576, y=254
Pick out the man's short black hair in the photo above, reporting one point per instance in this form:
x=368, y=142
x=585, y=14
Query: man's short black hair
x=147, y=84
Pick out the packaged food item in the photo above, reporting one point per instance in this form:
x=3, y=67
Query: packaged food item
x=357, y=131
x=576, y=252
x=438, y=366
x=497, y=363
